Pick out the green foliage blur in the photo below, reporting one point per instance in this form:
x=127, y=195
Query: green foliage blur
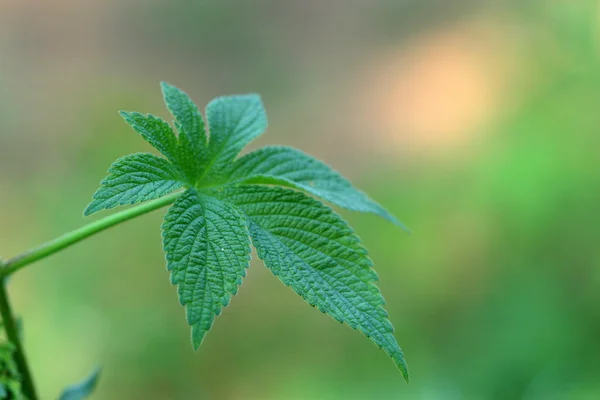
x=476, y=123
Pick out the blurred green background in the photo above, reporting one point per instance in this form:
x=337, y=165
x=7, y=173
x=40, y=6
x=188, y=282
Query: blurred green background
x=477, y=123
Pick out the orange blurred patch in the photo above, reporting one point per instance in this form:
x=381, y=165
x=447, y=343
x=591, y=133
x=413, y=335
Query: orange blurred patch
x=436, y=94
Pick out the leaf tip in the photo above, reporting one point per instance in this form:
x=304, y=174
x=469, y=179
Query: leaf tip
x=126, y=115
x=165, y=86
x=403, y=227
x=402, y=366
x=198, y=335
x=397, y=222
x=404, y=371
x=89, y=210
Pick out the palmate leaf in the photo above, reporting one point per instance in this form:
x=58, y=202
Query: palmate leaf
x=207, y=231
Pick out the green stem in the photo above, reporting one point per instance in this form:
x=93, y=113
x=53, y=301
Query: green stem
x=47, y=249
x=12, y=333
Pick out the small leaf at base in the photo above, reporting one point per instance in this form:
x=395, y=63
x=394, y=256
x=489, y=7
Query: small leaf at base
x=83, y=389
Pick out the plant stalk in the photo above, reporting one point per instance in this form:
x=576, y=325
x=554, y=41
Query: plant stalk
x=12, y=334
x=47, y=249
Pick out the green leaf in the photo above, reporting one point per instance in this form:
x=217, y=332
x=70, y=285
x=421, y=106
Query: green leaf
x=133, y=179
x=189, y=160
x=7, y=362
x=155, y=131
x=11, y=389
x=206, y=231
x=234, y=121
x=10, y=379
x=190, y=125
x=208, y=250
x=83, y=389
x=287, y=166
x=313, y=250
x=186, y=113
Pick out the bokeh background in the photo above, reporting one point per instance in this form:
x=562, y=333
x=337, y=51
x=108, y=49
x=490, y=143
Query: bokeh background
x=476, y=122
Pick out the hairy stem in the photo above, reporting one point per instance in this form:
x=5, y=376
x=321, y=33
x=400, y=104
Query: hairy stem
x=12, y=333
x=47, y=249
